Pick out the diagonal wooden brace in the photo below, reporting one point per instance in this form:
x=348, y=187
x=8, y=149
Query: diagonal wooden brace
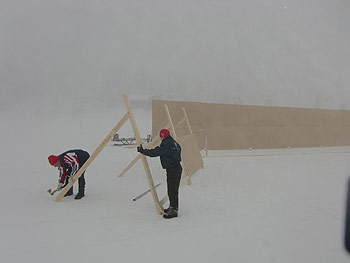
x=92, y=157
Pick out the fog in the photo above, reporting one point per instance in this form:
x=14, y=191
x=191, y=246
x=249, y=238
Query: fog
x=83, y=53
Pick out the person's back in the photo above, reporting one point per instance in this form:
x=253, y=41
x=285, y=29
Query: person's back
x=171, y=155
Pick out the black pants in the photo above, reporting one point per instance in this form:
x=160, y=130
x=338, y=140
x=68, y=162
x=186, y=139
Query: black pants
x=347, y=220
x=81, y=185
x=173, y=181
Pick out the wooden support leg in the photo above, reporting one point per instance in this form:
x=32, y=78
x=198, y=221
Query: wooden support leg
x=130, y=165
x=158, y=206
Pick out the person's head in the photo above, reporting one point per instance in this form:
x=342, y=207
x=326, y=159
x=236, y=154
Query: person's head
x=54, y=160
x=164, y=133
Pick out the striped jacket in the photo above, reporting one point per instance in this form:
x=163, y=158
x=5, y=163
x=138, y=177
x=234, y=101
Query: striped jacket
x=71, y=161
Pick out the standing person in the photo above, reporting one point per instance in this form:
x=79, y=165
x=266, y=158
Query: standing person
x=68, y=164
x=170, y=157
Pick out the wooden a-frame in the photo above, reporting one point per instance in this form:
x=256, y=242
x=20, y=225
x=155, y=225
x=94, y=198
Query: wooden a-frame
x=128, y=116
x=156, y=140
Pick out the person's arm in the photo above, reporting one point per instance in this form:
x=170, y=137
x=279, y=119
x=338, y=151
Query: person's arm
x=158, y=151
x=61, y=178
x=71, y=165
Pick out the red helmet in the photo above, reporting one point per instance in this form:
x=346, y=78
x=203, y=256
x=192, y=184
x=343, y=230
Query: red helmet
x=164, y=133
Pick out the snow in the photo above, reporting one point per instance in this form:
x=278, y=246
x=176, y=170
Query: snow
x=64, y=66
x=276, y=205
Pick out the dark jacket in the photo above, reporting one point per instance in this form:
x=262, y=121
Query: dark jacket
x=169, y=151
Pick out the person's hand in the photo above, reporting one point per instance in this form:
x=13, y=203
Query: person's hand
x=140, y=149
x=59, y=187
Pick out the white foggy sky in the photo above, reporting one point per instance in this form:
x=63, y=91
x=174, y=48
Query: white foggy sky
x=293, y=53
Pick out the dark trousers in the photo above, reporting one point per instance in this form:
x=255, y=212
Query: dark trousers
x=81, y=185
x=173, y=182
x=347, y=220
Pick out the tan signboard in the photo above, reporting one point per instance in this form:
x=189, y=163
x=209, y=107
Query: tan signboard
x=259, y=127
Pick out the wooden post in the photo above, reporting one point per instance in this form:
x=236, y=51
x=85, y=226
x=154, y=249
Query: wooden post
x=159, y=207
x=187, y=121
x=92, y=157
x=206, y=145
x=191, y=132
x=175, y=137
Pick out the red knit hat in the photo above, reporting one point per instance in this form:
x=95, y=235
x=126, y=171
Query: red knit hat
x=53, y=159
x=164, y=133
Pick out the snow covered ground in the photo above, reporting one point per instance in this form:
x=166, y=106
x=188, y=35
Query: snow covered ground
x=245, y=206
x=77, y=58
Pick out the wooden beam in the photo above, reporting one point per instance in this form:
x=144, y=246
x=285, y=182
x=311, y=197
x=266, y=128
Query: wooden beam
x=158, y=206
x=187, y=121
x=206, y=145
x=92, y=157
x=189, y=181
x=170, y=121
x=130, y=165
x=175, y=137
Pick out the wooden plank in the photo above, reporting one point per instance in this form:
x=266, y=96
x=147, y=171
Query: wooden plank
x=191, y=155
x=130, y=165
x=170, y=121
x=159, y=208
x=206, y=145
x=92, y=157
x=187, y=121
x=190, y=129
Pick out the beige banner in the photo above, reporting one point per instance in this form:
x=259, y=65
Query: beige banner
x=190, y=154
x=242, y=127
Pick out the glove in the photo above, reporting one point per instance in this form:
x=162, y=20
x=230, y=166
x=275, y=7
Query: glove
x=140, y=149
x=59, y=187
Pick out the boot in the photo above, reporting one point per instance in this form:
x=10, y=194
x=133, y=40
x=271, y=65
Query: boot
x=79, y=195
x=70, y=192
x=166, y=210
x=81, y=187
x=172, y=212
